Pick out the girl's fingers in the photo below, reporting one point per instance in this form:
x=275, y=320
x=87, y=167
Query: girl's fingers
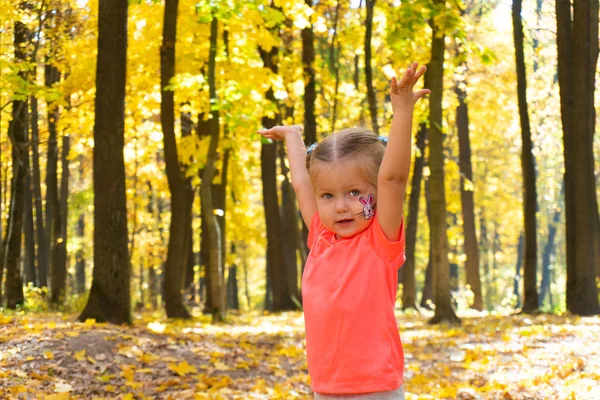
x=406, y=78
x=419, y=74
x=421, y=93
x=394, y=86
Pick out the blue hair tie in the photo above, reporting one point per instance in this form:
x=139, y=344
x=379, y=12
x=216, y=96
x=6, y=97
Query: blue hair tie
x=311, y=148
x=384, y=140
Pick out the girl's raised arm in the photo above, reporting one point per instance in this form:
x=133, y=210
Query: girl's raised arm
x=296, y=152
x=395, y=166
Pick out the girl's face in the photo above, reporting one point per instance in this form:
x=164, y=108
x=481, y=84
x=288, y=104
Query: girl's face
x=345, y=199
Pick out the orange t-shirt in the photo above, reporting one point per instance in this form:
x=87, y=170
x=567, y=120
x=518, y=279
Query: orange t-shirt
x=349, y=289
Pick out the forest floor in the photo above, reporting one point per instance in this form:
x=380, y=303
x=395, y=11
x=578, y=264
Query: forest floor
x=254, y=356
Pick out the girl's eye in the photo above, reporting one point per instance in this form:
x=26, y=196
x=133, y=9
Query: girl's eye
x=328, y=196
x=354, y=192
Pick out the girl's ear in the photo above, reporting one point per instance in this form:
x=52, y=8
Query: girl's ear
x=363, y=201
x=370, y=199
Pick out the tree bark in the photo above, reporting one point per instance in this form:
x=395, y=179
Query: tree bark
x=439, y=235
x=80, y=256
x=290, y=232
x=517, y=279
x=52, y=76
x=471, y=248
x=187, y=127
x=427, y=294
x=371, y=96
x=42, y=274
x=30, y=273
x=409, y=292
x=18, y=135
x=277, y=270
x=214, y=262
x=577, y=44
x=549, y=249
x=530, y=295
x=59, y=246
x=180, y=207
x=310, y=93
x=110, y=298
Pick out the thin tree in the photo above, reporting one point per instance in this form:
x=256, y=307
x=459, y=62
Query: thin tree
x=180, y=206
x=371, y=96
x=439, y=235
x=530, y=295
x=471, y=248
x=59, y=245
x=550, y=246
x=214, y=263
x=18, y=135
x=407, y=272
x=277, y=275
x=577, y=44
x=110, y=298
x=310, y=93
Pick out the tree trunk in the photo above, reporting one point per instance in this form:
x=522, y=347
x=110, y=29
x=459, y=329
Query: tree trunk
x=530, y=296
x=187, y=126
x=277, y=270
x=549, y=249
x=334, y=63
x=427, y=294
x=52, y=76
x=517, y=280
x=30, y=273
x=290, y=233
x=42, y=272
x=109, y=298
x=174, y=273
x=18, y=134
x=585, y=47
x=310, y=93
x=577, y=45
x=80, y=256
x=466, y=196
x=371, y=96
x=59, y=246
x=409, y=292
x=233, y=301
x=214, y=262
x=439, y=236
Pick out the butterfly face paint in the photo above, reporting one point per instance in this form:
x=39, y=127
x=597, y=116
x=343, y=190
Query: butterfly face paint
x=369, y=206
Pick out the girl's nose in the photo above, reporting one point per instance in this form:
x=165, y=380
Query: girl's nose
x=341, y=205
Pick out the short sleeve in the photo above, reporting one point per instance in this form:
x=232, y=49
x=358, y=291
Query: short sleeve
x=313, y=230
x=392, y=252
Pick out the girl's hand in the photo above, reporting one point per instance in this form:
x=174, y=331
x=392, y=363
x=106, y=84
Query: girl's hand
x=401, y=93
x=280, y=132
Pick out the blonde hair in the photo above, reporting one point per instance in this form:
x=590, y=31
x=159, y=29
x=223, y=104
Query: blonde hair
x=358, y=144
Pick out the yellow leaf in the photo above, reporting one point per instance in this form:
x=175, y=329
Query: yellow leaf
x=80, y=355
x=72, y=334
x=90, y=321
x=182, y=369
x=147, y=358
x=48, y=355
x=110, y=388
x=91, y=359
x=59, y=396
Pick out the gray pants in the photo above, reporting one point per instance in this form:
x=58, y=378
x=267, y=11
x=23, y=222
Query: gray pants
x=397, y=394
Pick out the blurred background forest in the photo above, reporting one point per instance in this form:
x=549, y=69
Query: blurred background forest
x=117, y=195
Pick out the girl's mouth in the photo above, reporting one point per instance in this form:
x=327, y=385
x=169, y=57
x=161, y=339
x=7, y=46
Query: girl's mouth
x=344, y=221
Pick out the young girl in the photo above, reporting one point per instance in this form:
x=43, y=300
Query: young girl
x=350, y=188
